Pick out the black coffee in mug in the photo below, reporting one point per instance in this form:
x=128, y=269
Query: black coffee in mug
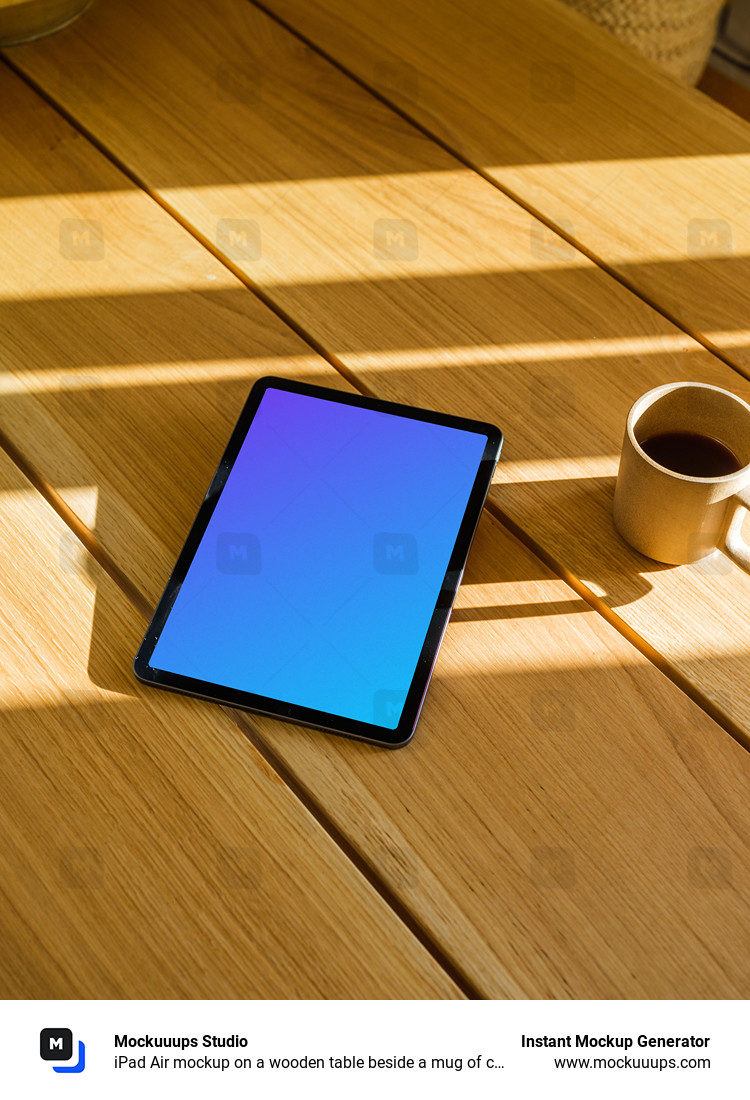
x=692, y=454
x=682, y=493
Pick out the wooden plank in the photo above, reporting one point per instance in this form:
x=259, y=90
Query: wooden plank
x=468, y=305
x=148, y=849
x=646, y=175
x=565, y=823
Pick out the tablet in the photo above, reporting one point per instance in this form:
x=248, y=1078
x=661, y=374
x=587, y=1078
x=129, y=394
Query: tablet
x=319, y=575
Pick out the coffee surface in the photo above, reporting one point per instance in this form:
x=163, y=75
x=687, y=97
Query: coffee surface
x=691, y=453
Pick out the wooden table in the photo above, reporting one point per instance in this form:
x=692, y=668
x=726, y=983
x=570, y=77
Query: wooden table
x=190, y=200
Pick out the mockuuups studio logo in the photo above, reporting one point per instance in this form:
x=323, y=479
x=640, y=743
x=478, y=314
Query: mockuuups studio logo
x=395, y=552
x=238, y=552
x=388, y=706
x=81, y=240
x=239, y=238
x=552, y=83
x=395, y=239
x=709, y=237
x=56, y=1045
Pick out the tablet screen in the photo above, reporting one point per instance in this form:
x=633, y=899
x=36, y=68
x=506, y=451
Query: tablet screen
x=317, y=575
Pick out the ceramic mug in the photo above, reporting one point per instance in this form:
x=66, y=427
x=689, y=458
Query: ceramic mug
x=673, y=517
x=24, y=20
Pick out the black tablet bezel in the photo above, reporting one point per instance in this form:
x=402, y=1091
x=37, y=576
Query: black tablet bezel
x=331, y=723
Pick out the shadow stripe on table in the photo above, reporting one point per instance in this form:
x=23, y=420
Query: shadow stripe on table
x=678, y=173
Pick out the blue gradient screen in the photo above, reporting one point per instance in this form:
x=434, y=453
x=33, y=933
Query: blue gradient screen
x=318, y=573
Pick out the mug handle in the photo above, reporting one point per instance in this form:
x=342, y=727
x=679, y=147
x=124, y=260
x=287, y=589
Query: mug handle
x=734, y=543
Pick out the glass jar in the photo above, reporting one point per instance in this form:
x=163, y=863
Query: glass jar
x=24, y=20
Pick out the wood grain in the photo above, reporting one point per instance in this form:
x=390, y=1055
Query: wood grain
x=590, y=806
x=564, y=817
x=148, y=849
x=723, y=89
x=646, y=175
x=469, y=305
x=566, y=822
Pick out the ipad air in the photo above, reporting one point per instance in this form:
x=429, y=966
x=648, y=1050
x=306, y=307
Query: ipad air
x=319, y=575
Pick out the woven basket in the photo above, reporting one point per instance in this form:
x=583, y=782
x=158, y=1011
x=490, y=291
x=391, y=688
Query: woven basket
x=676, y=35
